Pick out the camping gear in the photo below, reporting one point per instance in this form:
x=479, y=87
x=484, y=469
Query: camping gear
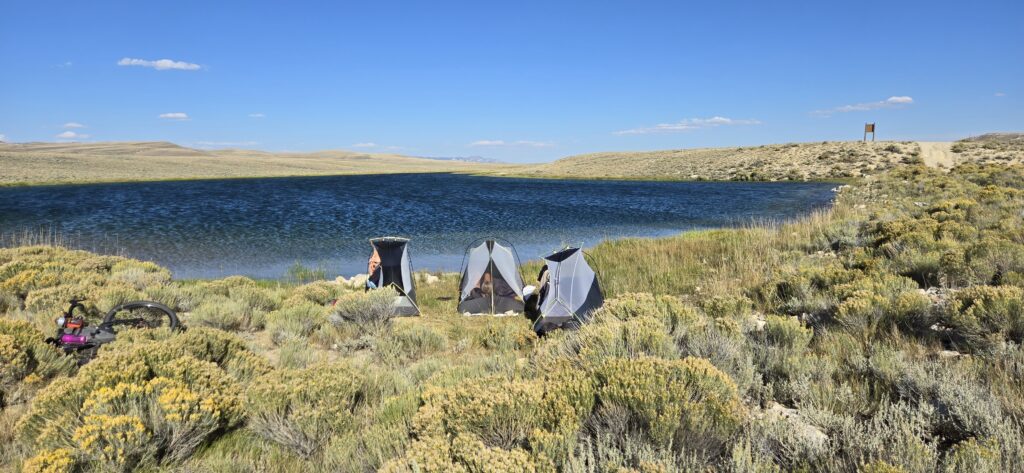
x=74, y=336
x=572, y=291
x=394, y=269
x=490, y=283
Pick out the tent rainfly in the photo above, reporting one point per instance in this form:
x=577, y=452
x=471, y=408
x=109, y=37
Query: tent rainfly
x=389, y=265
x=491, y=283
x=572, y=294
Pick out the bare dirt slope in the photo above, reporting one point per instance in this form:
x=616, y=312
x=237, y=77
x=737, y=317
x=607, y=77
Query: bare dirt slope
x=937, y=153
x=52, y=163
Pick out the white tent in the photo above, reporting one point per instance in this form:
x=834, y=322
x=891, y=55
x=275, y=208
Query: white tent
x=490, y=283
x=572, y=291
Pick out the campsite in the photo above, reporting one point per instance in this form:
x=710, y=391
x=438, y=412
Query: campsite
x=511, y=237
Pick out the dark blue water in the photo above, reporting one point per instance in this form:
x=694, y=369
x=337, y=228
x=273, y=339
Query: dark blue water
x=260, y=227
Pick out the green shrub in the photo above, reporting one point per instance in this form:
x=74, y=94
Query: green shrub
x=320, y=292
x=411, y=342
x=670, y=310
x=297, y=319
x=505, y=334
x=303, y=409
x=369, y=312
x=222, y=313
x=633, y=338
x=139, y=274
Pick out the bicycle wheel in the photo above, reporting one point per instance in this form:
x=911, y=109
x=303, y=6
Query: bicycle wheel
x=141, y=314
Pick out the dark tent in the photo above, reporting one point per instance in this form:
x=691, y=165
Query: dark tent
x=572, y=291
x=394, y=269
x=491, y=283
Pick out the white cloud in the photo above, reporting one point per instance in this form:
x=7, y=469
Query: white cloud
x=256, y=115
x=365, y=145
x=70, y=135
x=73, y=125
x=174, y=116
x=1000, y=94
x=895, y=101
x=521, y=143
x=63, y=65
x=159, y=64
x=3, y=137
x=688, y=124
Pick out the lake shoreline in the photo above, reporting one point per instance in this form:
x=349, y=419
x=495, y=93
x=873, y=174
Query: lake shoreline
x=260, y=227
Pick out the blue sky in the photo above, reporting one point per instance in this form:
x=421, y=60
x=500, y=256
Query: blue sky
x=517, y=81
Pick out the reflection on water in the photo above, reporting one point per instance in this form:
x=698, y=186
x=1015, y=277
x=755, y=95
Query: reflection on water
x=260, y=227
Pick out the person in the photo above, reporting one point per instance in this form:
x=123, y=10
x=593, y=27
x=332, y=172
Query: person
x=484, y=288
x=373, y=271
x=536, y=297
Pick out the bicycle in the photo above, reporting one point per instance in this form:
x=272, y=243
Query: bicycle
x=75, y=336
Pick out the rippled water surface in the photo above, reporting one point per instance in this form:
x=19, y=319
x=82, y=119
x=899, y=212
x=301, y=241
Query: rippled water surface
x=260, y=227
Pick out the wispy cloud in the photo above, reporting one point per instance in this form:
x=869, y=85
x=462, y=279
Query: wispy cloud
x=3, y=137
x=174, y=116
x=70, y=135
x=160, y=64
x=64, y=65
x=1000, y=94
x=256, y=115
x=520, y=143
x=365, y=145
x=73, y=125
x=688, y=124
x=895, y=101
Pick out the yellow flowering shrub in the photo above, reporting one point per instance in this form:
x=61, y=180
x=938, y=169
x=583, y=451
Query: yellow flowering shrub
x=668, y=309
x=13, y=363
x=59, y=460
x=497, y=424
x=26, y=362
x=684, y=402
x=478, y=457
x=982, y=311
x=179, y=399
x=972, y=455
x=117, y=443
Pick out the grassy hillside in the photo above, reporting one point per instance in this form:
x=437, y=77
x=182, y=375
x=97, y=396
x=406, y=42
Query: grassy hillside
x=992, y=148
x=52, y=163
x=882, y=335
x=793, y=161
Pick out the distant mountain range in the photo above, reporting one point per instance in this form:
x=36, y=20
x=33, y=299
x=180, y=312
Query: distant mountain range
x=468, y=159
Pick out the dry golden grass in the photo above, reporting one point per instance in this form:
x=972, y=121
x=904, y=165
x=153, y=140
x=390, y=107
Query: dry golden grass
x=55, y=163
x=793, y=161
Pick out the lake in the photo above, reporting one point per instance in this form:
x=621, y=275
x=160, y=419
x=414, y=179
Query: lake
x=260, y=227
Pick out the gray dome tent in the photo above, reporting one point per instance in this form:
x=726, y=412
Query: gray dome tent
x=394, y=269
x=490, y=283
x=572, y=291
